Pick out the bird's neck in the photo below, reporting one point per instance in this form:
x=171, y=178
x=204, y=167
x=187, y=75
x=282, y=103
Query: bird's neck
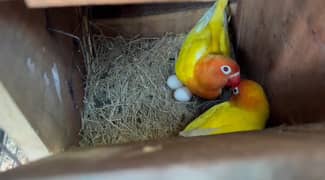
x=251, y=103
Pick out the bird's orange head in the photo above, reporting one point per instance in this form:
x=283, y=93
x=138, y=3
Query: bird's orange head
x=250, y=96
x=216, y=71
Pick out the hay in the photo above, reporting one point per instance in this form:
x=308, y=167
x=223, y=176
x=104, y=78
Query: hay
x=126, y=97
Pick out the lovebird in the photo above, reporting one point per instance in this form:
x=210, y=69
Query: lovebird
x=247, y=110
x=204, y=65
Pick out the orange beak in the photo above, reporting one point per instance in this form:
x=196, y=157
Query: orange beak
x=233, y=80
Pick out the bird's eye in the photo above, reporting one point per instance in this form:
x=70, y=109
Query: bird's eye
x=235, y=91
x=226, y=69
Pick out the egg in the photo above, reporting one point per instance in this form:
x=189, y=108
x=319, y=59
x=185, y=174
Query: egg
x=183, y=94
x=173, y=82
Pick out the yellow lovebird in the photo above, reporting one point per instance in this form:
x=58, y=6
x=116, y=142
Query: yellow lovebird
x=247, y=110
x=205, y=49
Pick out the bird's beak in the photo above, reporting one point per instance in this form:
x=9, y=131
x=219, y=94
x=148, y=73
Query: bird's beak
x=233, y=80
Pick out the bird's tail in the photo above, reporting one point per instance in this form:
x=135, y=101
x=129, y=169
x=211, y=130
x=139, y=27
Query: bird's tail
x=198, y=132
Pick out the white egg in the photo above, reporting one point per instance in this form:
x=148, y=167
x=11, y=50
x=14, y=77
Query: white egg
x=173, y=82
x=183, y=94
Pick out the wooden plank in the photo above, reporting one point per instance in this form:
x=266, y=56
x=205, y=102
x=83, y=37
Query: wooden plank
x=62, y=3
x=149, y=20
x=18, y=127
x=38, y=69
x=281, y=44
x=152, y=25
x=272, y=154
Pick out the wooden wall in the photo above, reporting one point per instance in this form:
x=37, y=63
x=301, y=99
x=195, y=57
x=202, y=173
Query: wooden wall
x=281, y=44
x=39, y=72
x=147, y=20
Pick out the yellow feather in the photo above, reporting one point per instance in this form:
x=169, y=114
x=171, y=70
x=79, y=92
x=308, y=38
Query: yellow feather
x=209, y=36
x=230, y=117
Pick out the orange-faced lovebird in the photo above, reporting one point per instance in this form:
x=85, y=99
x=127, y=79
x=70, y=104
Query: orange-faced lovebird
x=247, y=110
x=204, y=65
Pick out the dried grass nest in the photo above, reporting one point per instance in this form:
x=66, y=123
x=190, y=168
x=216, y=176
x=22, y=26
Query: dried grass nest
x=127, y=99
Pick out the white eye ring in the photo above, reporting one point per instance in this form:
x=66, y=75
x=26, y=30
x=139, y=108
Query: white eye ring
x=235, y=91
x=225, y=69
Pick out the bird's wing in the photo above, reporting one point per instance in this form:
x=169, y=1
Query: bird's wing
x=194, y=47
x=218, y=26
x=198, y=132
x=200, y=126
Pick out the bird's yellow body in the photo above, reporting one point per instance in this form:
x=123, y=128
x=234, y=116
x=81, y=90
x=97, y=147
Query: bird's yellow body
x=247, y=111
x=209, y=36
